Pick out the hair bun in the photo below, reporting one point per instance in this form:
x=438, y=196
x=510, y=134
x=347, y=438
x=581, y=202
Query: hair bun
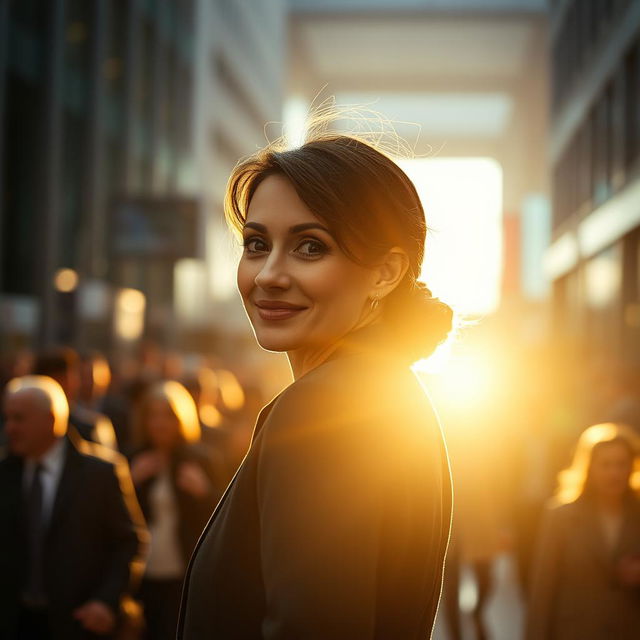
x=418, y=322
x=421, y=289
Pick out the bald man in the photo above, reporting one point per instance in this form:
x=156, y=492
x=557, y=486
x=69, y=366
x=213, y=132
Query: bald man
x=70, y=528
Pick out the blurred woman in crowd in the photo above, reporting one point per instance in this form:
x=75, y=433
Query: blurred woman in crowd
x=177, y=487
x=586, y=575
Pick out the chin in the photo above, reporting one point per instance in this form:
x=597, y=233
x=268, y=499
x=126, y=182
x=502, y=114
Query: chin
x=276, y=346
x=276, y=341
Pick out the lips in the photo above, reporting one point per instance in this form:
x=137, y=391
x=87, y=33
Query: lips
x=277, y=304
x=277, y=309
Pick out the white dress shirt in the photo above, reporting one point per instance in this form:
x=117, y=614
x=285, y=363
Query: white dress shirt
x=52, y=464
x=165, y=556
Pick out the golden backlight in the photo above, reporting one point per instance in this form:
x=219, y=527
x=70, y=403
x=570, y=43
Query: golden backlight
x=462, y=200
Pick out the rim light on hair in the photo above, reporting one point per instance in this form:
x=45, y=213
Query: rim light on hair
x=51, y=392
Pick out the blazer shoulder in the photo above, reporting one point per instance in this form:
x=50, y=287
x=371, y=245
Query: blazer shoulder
x=562, y=515
x=329, y=388
x=97, y=458
x=9, y=463
x=358, y=396
x=355, y=377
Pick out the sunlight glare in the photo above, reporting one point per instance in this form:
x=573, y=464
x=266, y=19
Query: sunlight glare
x=462, y=199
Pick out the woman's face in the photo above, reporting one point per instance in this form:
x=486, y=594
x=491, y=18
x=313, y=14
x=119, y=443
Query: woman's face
x=610, y=470
x=163, y=427
x=299, y=289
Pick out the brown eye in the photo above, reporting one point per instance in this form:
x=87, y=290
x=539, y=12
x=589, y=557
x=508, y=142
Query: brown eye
x=311, y=248
x=255, y=244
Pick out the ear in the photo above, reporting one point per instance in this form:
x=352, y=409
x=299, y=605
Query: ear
x=389, y=272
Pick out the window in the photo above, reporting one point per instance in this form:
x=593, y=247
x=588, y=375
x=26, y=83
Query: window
x=632, y=106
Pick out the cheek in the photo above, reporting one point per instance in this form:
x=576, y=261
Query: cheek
x=344, y=289
x=245, y=277
x=317, y=282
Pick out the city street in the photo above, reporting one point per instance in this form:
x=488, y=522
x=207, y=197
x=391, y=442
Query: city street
x=504, y=612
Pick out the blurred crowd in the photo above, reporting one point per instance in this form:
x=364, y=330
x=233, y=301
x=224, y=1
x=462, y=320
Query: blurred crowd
x=546, y=468
x=109, y=473
x=111, y=469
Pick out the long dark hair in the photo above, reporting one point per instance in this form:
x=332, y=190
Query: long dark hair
x=370, y=205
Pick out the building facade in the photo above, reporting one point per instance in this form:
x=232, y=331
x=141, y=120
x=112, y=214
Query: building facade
x=240, y=88
x=119, y=125
x=96, y=102
x=595, y=155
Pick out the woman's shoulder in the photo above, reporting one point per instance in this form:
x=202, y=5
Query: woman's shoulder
x=361, y=378
x=357, y=395
x=565, y=514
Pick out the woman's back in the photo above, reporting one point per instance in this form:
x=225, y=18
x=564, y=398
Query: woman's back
x=337, y=523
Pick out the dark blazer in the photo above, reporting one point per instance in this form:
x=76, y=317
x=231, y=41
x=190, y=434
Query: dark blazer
x=193, y=512
x=95, y=534
x=575, y=594
x=337, y=522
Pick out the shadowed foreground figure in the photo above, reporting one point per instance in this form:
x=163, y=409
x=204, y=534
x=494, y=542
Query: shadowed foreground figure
x=335, y=526
x=70, y=527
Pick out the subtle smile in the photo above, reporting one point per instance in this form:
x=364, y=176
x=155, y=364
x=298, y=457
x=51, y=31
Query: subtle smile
x=277, y=309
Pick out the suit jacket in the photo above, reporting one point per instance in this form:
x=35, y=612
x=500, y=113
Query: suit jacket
x=575, y=593
x=93, y=426
x=193, y=512
x=95, y=533
x=337, y=522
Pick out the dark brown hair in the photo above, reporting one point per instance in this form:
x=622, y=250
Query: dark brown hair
x=56, y=361
x=370, y=205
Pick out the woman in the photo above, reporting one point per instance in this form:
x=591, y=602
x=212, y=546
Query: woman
x=336, y=524
x=586, y=576
x=177, y=487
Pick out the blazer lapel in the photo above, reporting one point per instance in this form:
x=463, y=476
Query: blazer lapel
x=263, y=415
x=591, y=529
x=14, y=491
x=629, y=539
x=12, y=495
x=67, y=486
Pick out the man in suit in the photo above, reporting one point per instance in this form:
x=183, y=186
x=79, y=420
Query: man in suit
x=70, y=528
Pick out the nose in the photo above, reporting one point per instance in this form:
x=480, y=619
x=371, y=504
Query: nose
x=273, y=274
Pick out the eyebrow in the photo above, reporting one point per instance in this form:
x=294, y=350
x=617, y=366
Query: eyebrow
x=296, y=228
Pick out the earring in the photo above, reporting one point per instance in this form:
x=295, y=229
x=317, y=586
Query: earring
x=374, y=303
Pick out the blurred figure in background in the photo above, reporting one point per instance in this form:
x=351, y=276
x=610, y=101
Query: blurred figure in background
x=204, y=388
x=12, y=365
x=70, y=527
x=244, y=421
x=477, y=521
x=177, y=486
x=63, y=365
x=586, y=574
x=95, y=395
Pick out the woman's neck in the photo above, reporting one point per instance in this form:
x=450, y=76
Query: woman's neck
x=305, y=359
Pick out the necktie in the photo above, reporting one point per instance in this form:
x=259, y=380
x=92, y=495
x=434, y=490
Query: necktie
x=35, y=533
